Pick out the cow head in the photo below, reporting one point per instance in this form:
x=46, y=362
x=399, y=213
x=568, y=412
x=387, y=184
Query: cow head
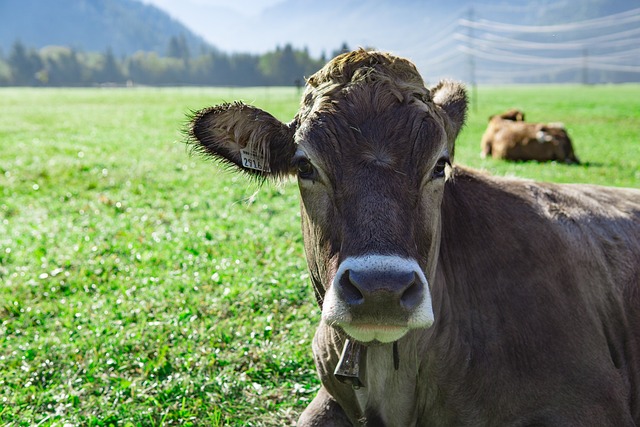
x=371, y=148
x=513, y=115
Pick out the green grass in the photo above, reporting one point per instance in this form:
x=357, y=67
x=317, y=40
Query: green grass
x=141, y=285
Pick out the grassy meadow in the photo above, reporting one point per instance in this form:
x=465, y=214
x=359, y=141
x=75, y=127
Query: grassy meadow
x=143, y=286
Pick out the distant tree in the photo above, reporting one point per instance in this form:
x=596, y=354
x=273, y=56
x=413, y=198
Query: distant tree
x=280, y=67
x=343, y=49
x=290, y=69
x=108, y=70
x=151, y=69
x=245, y=70
x=212, y=69
x=61, y=66
x=178, y=48
x=5, y=73
x=24, y=64
x=287, y=66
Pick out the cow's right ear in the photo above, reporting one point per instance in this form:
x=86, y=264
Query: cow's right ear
x=244, y=136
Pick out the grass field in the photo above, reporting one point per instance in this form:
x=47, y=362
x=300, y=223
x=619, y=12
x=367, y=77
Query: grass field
x=143, y=286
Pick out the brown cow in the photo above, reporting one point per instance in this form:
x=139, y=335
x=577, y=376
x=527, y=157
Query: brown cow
x=449, y=297
x=509, y=137
x=513, y=114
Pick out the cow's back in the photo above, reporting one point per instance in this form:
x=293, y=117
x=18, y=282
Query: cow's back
x=603, y=229
x=601, y=225
x=540, y=290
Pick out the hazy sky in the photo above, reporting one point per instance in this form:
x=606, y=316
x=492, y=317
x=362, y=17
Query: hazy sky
x=235, y=26
x=217, y=21
x=180, y=8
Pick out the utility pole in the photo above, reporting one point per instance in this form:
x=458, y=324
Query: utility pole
x=585, y=66
x=472, y=63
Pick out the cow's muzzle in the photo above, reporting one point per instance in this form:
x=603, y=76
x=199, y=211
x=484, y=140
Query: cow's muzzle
x=378, y=298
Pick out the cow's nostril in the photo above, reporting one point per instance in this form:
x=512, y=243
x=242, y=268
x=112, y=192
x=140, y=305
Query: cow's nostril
x=350, y=292
x=412, y=295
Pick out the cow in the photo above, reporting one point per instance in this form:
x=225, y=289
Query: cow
x=509, y=137
x=513, y=115
x=448, y=296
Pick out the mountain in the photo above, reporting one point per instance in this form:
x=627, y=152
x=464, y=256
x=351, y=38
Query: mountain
x=124, y=26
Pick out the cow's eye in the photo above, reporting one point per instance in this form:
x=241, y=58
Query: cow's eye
x=439, y=169
x=305, y=168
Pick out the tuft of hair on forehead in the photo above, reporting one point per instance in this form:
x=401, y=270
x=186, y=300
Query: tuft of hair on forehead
x=364, y=66
x=349, y=67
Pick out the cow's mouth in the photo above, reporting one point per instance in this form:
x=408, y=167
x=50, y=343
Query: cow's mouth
x=372, y=333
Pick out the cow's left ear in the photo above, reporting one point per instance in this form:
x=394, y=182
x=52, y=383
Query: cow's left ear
x=244, y=136
x=452, y=98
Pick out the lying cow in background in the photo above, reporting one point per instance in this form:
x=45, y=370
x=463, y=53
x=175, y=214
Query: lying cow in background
x=449, y=297
x=513, y=114
x=509, y=137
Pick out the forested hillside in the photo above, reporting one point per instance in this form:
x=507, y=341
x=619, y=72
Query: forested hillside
x=63, y=66
x=123, y=26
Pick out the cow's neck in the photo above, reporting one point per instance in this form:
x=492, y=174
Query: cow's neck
x=469, y=232
x=472, y=249
x=383, y=380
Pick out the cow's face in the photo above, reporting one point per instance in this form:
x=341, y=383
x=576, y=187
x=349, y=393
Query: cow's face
x=371, y=149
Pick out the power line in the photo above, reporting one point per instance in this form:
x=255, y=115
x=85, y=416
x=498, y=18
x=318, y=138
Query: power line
x=500, y=55
x=600, y=42
x=620, y=36
x=614, y=20
x=471, y=48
